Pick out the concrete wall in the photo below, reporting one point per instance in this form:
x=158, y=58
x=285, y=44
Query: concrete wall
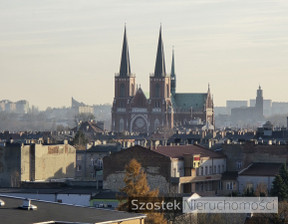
x=54, y=161
x=25, y=163
x=10, y=171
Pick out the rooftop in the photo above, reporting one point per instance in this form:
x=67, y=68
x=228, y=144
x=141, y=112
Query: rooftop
x=262, y=169
x=180, y=150
x=59, y=213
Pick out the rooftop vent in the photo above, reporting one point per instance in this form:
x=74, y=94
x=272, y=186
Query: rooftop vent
x=2, y=203
x=27, y=205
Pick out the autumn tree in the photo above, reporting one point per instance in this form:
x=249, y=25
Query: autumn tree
x=136, y=186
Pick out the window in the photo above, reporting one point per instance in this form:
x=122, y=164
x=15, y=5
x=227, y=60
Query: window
x=78, y=167
x=122, y=90
x=121, y=125
x=223, y=168
x=229, y=186
x=79, y=157
x=156, y=124
x=99, y=163
x=167, y=90
x=239, y=165
x=202, y=171
x=206, y=170
x=219, y=171
x=214, y=170
x=157, y=90
x=210, y=169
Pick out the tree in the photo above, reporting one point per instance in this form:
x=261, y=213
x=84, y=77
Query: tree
x=279, y=188
x=284, y=174
x=136, y=186
x=80, y=140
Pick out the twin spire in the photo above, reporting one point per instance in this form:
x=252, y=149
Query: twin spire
x=125, y=69
x=160, y=70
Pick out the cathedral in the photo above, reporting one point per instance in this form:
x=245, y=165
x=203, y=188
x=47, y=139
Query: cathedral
x=132, y=111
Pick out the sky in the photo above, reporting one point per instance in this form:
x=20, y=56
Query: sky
x=52, y=50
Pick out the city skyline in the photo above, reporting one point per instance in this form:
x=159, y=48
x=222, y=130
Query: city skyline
x=54, y=50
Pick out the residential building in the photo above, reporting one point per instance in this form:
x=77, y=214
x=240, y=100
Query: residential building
x=258, y=177
x=171, y=169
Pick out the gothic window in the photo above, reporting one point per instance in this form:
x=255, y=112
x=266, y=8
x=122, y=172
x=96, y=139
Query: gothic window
x=167, y=89
x=156, y=124
x=121, y=125
x=122, y=90
x=132, y=89
x=157, y=90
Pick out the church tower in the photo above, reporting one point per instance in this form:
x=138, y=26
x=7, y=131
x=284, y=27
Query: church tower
x=209, y=108
x=124, y=90
x=259, y=103
x=161, y=111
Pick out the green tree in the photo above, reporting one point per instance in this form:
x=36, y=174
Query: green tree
x=80, y=140
x=279, y=188
x=136, y=186
x=284, y=174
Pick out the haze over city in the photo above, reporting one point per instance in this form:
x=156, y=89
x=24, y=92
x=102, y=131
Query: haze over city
x=53, y=50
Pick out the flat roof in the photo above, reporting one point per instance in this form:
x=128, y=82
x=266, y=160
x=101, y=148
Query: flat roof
x=59, y=213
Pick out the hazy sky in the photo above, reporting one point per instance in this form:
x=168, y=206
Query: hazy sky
x=51, y=50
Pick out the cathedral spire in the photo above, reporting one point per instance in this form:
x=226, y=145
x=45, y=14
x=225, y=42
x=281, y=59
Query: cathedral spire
x=125, y=69
x=173, y=75
x=160, y=70
x=173, y=65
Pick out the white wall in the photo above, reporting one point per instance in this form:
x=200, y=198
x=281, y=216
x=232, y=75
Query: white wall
x=255, y=180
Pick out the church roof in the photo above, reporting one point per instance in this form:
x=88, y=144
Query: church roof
x=160, y=70
x=139, y=100
x=188, y=100
x=125, y=69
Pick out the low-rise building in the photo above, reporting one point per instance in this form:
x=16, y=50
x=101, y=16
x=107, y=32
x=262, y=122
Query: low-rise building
x=171, y=169
x=35, y=162
x=89, y=162
x=258, y=177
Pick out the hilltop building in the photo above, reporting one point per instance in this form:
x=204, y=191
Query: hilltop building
x=250, y=114
x=133, y=112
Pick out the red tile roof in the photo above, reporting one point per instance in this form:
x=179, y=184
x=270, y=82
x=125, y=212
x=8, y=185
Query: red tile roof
x=180, y=150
